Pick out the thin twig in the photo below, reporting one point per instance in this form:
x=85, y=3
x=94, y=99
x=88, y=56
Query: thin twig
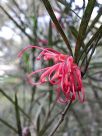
x=58, y=26
x=61, y=118
x=16, y=23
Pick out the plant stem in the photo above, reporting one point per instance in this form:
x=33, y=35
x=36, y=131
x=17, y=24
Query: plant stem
x=61, y=118
x=58, y=26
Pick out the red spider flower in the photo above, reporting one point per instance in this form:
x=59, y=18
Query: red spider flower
x=65, y=74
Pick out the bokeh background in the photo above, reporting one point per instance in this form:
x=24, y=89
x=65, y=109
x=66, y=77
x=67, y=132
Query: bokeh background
x=23, y=107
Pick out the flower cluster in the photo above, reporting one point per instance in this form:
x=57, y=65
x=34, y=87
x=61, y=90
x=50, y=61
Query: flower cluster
x=65, y=74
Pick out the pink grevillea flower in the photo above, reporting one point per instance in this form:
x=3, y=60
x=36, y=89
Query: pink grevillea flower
x=64, y=74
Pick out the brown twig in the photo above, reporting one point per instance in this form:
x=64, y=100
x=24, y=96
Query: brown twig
x=61, y=118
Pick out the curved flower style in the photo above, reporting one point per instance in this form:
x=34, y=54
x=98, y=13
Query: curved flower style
x=65, y=74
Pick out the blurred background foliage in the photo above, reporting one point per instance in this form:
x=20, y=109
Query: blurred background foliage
x=27, y=110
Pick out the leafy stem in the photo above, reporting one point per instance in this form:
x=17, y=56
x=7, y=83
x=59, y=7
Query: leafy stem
x=61, y=118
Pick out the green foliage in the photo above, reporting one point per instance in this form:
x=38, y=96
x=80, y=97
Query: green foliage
x=35, y=108
x=18, y=116
x=83, y=26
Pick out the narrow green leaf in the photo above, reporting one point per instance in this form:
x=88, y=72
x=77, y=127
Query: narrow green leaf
x=94, y=21
x=35, y=27
x=83, y=27
x=99, y=31
x=50, y=34
x=8, y=125
x=74, y=31
x=75, y=34
x=93, y=49
x=59, y=28
x=68, y=7
x=18, y=116
x=62, y=2
x=38, y=124
x=50, y=62
x=26, y=57
x=89, y=45
x=10, y=99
